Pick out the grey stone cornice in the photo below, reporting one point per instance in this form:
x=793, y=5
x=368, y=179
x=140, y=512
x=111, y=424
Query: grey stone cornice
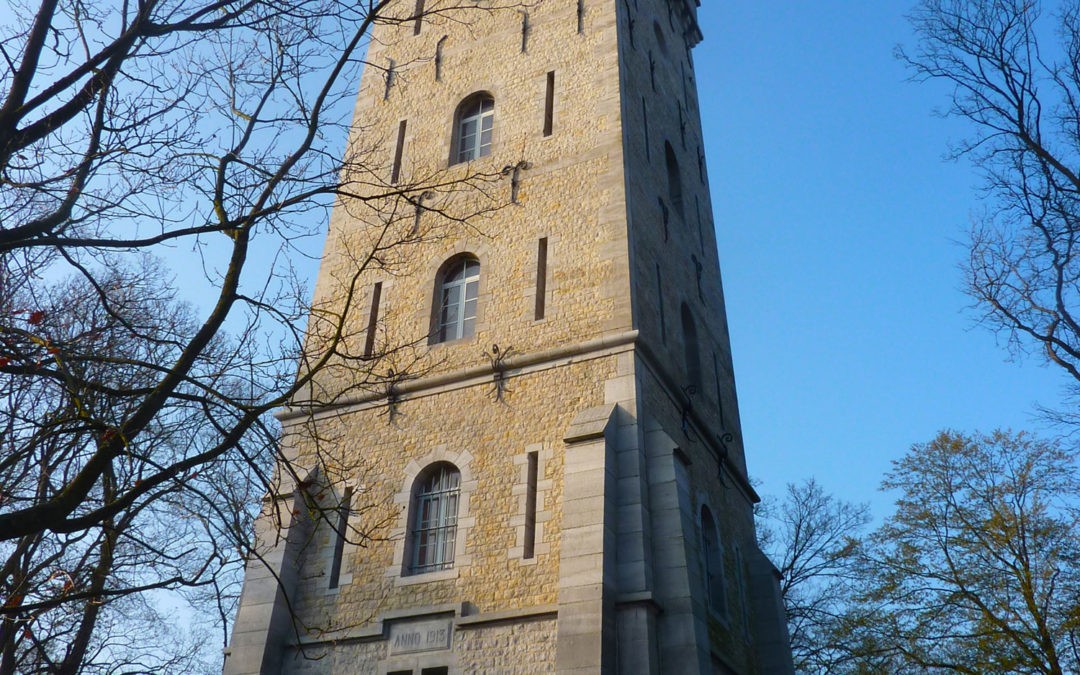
x=508, y=616
x=554, y=355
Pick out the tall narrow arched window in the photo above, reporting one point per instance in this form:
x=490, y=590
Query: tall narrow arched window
x=690, y=347
x=433, y=519
x=457, y=292
x=474, y=124
x=674, y=180
x=712, y=560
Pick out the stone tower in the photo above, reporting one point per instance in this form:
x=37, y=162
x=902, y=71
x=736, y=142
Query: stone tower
x=576, y=501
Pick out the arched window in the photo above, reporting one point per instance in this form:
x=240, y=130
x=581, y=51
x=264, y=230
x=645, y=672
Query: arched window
x=674, y=181
x=473, y=126
x=690, y=347
x=433, y=519
x=457, y=292
x=712, y=560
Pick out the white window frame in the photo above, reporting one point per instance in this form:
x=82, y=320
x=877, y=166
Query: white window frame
x=456, y=293
x=480, y=112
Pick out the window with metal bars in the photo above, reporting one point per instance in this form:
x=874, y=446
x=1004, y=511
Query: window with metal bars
x=458, y=294
x=433, y=524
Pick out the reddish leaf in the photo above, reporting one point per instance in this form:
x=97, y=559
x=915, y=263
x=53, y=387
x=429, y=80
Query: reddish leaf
x=36, y=317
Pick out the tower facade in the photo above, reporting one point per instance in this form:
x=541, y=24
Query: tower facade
x=555, y=465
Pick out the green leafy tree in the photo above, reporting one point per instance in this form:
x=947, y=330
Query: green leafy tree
x=978, y=569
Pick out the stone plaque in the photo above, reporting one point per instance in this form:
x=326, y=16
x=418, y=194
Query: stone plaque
x=420, y=636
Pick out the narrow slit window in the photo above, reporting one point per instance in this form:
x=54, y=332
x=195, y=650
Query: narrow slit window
x=419, y=17
x=530, y=506
x=339, y=537
x=698, y=269
x=398, y=149
x=663, y=216
x=524, y=32
x=373, y=320
x=660, y=305
x=645, y=126
x=674, y=179
x=719, y=391
x=549, y=103
x=541, y=277
x=700, y=230
x=580, y=16
x=682, y=72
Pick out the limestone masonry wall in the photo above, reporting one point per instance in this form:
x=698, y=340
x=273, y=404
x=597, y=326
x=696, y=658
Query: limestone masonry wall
x=483, y=437
x=525, y=648
x=571, y=191
x=625, y=410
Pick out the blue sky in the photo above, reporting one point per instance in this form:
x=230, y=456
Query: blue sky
x=838, y=224
x=838, y=221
